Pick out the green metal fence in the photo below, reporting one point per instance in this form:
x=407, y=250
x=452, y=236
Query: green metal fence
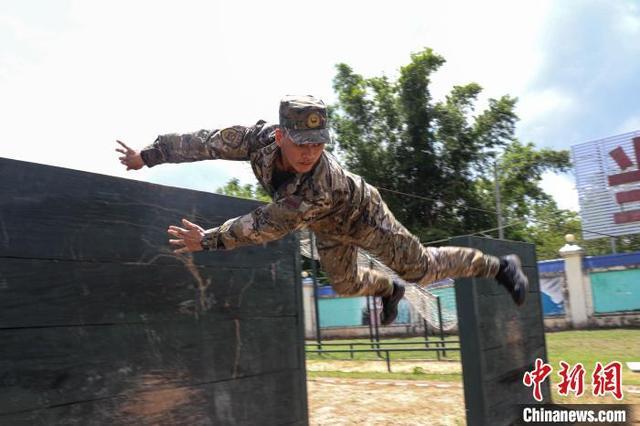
x=616, y=291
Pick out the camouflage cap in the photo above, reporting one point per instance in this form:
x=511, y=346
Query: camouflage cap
x=305, y=119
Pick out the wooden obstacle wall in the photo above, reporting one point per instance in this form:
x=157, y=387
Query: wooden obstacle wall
x=499, y=341
x=100, y=323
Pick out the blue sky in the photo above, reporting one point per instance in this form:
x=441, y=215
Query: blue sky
x=590, y=71
x=76, y=75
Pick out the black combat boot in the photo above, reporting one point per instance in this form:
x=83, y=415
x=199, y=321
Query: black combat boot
x=390, y=304
x=511, y=276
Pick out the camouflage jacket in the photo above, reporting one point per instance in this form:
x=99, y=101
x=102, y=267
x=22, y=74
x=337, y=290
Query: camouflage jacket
x=329, y=200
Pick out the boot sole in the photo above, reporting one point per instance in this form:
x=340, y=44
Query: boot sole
x=393, y=314
x=519, y=294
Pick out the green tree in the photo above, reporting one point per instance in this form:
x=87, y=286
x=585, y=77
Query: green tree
x=535, y=214
x=400, y=139
x=234, y=189
x=524, y=204
x=551, y=225
x=602, y=245
x=520, y=170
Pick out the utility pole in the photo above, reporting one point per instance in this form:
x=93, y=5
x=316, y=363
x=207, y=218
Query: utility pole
x=498, y=205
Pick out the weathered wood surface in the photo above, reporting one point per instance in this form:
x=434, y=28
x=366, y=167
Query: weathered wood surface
x=148, y=403
x=498, y=340
x=55, y=293
x=73, y=215
x=101, y=323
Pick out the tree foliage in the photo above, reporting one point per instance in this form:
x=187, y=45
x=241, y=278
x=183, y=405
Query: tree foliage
x=525, y=205
x=234, y=189
x=400, y=139
x=447, y=153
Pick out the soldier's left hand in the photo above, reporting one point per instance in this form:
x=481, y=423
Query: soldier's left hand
x=188, y=239
x=131, y=158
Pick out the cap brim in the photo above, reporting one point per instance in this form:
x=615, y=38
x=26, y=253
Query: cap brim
x=303, y=137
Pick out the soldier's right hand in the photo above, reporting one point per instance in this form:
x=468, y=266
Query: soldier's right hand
x=132, y=159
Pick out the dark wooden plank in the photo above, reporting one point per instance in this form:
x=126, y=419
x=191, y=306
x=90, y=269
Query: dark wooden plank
x=505, y=397
x=51, y=212
x=508, y=390
x=515, y=357
x=492, y=287
x=505, y=414
x=500, y=321
x=101, y=324
x=41, y=367
x=39, y=292
x=269, y=399
x=508, y=333
x=499, y=341
x=534, y=281
x=488, y=287
x=301, y=364
x=470, y=342
x=503, y=301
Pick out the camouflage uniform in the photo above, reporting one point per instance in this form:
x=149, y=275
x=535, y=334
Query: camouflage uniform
x=339, y=207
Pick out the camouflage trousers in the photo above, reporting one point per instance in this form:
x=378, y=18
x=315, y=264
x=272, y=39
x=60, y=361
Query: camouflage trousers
x=402, y=252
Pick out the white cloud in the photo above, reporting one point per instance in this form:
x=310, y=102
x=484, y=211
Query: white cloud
x=562, y=188
x=120, y=71
x=540, y=111
x=22, y=31
x=540, y=106
x=492, y=43
x=132, y=70
x=631, y=124
x=629, y=21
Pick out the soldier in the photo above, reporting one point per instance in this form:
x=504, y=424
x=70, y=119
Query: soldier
x=311, y=190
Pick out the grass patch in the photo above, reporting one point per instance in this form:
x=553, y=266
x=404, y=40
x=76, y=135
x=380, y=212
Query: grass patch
x=585, y=346
x=591, y=346
x=372, y=375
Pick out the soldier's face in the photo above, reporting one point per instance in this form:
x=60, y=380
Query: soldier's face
x=298, y=158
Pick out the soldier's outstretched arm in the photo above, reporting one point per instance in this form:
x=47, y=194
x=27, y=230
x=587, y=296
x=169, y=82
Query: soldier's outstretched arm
x=266, y=223
x=231, y=143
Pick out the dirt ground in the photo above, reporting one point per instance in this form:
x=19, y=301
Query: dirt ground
x=384, y=402
x=347, y=401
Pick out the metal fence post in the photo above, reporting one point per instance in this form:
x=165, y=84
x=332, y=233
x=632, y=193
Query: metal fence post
x=426, y=333
x=376, y=323
x=444, y=352
x=370, y=320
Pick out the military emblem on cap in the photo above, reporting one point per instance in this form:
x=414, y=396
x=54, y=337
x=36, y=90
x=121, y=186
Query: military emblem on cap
x=305, y=119
x=313, y=120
